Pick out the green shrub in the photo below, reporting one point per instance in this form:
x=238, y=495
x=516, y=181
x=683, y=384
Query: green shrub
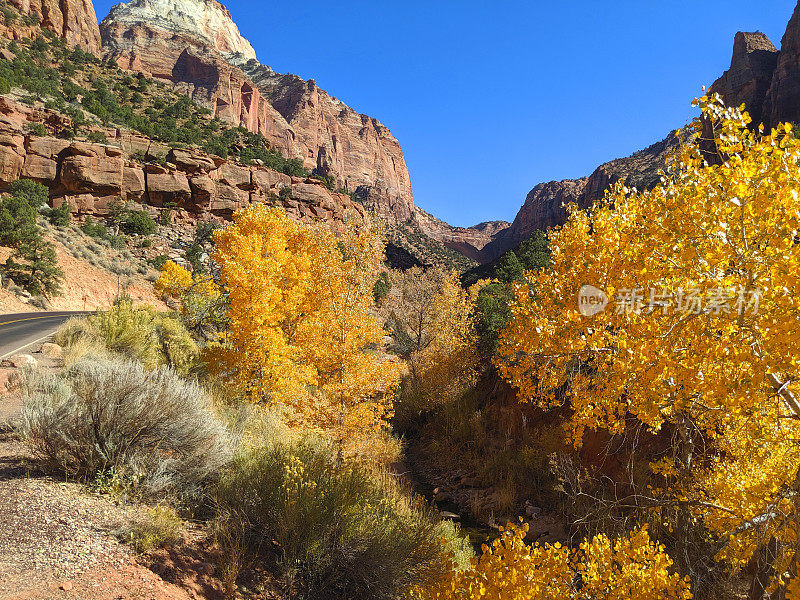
x=118, y=242
x=158, y=262
x=32, y=192
x=338, y=530
x=382, y=287
x=138, y=222
x=95, y=230
x=37, y=129
x=155, y=429
x=60, y=217
x=140, y=333
x=97, y=137
x=33, y=263
x=5, y=86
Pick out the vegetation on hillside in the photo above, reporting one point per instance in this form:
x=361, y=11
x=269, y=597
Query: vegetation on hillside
x=32, y=264
x=92, y=92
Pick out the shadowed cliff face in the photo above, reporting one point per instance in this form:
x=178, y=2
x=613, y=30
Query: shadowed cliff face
x=782, y=102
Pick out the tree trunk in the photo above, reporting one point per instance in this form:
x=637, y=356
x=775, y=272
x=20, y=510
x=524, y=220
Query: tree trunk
x=763, y=565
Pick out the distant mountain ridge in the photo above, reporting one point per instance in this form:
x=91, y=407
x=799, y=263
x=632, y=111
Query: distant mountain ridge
x=766, y=80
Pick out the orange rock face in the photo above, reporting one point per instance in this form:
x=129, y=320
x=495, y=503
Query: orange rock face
x=74, y=20
x=89, y=176
x=195, y=45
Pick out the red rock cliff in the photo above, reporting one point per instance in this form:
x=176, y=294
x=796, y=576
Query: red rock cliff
x=196, y=45
x=74, y=20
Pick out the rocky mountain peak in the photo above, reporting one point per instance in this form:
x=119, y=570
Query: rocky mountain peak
x=202, y=23
x=746, y=43
x=750, y=74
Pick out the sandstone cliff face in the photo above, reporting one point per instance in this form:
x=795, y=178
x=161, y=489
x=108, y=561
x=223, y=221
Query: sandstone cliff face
x=89, y=177
x=782, y=102
x=195, y=45
x=74, y=20
x=469, y=241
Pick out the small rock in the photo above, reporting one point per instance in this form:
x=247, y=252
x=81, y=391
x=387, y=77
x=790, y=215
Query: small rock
x=66, y=586
x=52, y=350
x=531, y=510
x=20, y=360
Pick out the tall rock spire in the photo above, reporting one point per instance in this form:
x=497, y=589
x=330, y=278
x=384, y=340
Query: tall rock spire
x=783, y=98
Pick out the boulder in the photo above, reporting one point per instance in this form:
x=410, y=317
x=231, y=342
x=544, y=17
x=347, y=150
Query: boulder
x=233, y=175
x=88, y=168
x=171, y=187
x=20, y=360
x=12, y=156
x=40, y=169
x=133, y=183
x=191, y=162
x=47, y=147
x=204, y=191
x=52, y=350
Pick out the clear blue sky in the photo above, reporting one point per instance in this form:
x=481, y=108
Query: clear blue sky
x=488, y=99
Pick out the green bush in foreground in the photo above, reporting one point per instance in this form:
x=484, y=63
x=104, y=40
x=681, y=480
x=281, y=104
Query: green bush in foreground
x=135, y=332
x=154, y=430
x=339, y=530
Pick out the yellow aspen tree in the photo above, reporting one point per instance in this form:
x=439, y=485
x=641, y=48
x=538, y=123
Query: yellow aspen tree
x=301, y=334
x=630, y=568
x=702, y=279
x=433, y=315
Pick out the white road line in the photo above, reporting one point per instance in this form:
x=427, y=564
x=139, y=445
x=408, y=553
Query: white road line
x=21, y=348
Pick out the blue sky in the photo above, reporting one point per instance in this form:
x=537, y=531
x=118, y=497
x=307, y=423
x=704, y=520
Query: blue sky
x=488, y=99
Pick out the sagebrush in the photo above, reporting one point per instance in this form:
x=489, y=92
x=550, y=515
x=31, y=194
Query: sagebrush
x=154, y=429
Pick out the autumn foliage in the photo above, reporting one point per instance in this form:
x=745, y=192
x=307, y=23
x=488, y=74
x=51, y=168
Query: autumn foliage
x=699, y=337
x=301, y=335
x=630, y=568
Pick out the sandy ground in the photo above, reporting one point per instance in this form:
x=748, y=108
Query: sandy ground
x=85, y=287
x=57, y=538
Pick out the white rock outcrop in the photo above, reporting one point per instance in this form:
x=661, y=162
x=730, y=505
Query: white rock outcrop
x=206, y=21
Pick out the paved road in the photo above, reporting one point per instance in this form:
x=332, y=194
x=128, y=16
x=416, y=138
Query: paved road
x=20, y=330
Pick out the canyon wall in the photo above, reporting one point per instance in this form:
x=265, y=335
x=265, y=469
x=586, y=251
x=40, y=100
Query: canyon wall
x=195, y=45
x=90, y=176
x=74, y=20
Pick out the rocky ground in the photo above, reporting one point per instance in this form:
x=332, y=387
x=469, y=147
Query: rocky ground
x=57, y=539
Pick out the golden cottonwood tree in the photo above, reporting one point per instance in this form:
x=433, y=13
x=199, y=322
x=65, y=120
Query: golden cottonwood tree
x=631, y=568
x=700, y=334
x=432, y=317
x=202, y=301
x=301, y=334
